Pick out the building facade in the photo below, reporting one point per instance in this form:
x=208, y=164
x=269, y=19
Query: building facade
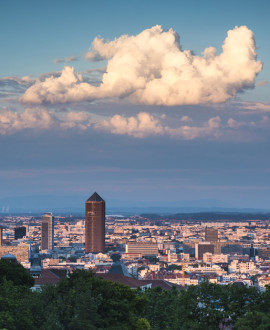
x=211, y=234
x=201, y=248
x=95, y=224
x=144, y=248
x=47, y=232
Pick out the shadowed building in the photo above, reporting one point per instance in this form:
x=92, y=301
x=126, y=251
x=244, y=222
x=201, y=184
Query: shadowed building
x=211, y=234
x=47, y=232
x=95, y=224
x=201, y=248
x=19, y=232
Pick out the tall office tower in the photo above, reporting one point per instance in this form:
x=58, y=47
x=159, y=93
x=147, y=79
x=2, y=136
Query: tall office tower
x=47, y=232
x=211, y=234
x=19, y=232
x=95, y=224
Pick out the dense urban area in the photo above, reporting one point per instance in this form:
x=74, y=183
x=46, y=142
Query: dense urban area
x=180, y=253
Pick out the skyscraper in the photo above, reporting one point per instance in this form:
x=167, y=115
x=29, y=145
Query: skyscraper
x=47, y=232
x=95, y=224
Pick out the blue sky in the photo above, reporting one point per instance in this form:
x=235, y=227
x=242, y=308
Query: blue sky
x=152, y=119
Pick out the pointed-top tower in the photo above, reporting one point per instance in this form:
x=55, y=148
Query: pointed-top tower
x=95, y=224
x=95, y=198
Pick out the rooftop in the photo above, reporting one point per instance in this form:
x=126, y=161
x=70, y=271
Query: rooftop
x=95, y=198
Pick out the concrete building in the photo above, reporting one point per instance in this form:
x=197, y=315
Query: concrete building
x=211, y=234
x=215, y=258
x=21, y=251
x=264, y=252
x=145, y=248
x=47, y=232
x=201, y=248
x=95, y=224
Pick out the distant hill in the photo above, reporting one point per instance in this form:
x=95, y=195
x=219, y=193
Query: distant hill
x=75, y=205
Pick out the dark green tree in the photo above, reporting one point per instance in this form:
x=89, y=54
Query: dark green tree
x=15, y=272
x=253, y=320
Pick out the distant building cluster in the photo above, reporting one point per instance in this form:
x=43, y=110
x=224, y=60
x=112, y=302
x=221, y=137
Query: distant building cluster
x=145, y=250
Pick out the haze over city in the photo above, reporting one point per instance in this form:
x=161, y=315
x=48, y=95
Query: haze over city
x=153, y=102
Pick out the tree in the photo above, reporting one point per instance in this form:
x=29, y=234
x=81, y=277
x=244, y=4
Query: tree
x=15, y=310
x=253, y=320
x=174, y=267
x=143, y=324
x=15, y=272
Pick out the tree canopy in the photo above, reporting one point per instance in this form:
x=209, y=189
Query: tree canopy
x=84, y=301
x=15, y=273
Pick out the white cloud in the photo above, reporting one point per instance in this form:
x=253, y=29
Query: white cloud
x=81, y=120
x=34, y=118
x=147, y=125
x=141, y=126
x=210, y=128
x=12, y=121
x=150, y=68
x=256, y=106
x=186, y=119
x=232, y=123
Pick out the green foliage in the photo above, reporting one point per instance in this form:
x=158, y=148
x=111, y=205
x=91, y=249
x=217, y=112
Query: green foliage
x=84, y=301
x=13, y=302
x=15, y=272
x=152, y=259
x=142, y=324
x=174, y=267
x=73, y=258
x=253, y=320
x=115, y=257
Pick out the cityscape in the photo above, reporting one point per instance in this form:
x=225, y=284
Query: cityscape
x=176, y=252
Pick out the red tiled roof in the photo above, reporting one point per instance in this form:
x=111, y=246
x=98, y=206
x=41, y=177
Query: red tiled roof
x=135, y=283
x=47, y=277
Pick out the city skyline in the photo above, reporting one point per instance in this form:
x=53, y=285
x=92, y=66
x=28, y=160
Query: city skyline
x=151, y=102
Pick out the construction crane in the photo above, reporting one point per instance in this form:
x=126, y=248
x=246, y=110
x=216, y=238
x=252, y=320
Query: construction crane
x=183, y=271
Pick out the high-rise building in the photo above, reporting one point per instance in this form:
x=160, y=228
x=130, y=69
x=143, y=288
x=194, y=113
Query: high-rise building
x=211, y=234
x=95, y=224
x=19, y=232
x=47, y=232
x=1, y=235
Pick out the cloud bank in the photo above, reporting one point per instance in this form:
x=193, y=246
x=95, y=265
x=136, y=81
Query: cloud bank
x=151, y=68
x=140, y=126
x=144, y=125
x=34, y=118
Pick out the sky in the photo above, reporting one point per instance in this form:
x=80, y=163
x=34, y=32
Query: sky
x=140, y=101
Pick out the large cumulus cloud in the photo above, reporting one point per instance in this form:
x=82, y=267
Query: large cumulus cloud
x=151, y=68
